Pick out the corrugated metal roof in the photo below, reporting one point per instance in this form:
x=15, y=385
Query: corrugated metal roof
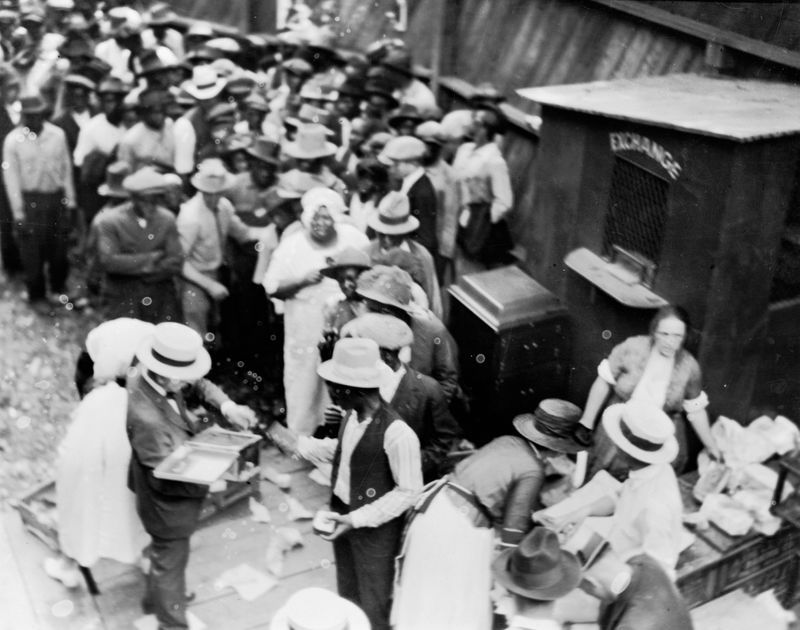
x=735, y=109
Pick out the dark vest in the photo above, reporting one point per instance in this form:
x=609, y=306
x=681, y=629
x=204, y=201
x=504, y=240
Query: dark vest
x=370, y=472
x=202, y=130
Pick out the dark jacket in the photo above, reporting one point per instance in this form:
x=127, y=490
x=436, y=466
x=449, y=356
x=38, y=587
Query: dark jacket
x=70, y=128
x=420, y=401
x=433, y=352
x=168, y=509
x=424, y=203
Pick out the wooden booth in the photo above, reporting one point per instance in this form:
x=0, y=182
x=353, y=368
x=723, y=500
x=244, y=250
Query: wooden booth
x=675, y=189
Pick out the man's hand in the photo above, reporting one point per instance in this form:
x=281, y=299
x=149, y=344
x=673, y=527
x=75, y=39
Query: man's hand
x=240, y=415
x=217, y=291
x=344, y=525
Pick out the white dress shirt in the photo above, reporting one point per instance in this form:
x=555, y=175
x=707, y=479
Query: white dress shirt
x=648, y=516
x=401, y=446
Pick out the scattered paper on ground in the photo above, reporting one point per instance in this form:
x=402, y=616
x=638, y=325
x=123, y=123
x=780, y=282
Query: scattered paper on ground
x=297, y=511
x=248, y=582
x=259, y=511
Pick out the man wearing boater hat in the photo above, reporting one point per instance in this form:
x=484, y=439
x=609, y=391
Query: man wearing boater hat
x=647, y=508
x=158, y=422
x=376, y=476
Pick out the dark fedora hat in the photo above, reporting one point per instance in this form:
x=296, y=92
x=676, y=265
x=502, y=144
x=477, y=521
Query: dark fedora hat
x=406, y=111
x=555, y=425
x=538, y=568
x=264, y=150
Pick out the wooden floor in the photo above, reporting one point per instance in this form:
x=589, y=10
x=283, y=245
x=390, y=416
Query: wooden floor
x=224, y=542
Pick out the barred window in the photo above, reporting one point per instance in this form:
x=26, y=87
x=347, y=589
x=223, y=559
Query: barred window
x=637, y=211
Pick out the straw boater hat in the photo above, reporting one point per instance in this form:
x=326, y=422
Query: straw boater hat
x=552, y=425
x=387, y=331
x=316, y=608
x=355, y=363
x=538, y=568
x=394, y=215
x=212, y=176
x=205, y=83
x=115, y=175
x=175, y=351
x=641, y=430
x=386, y=285
x=310, y=143
x=348, y=257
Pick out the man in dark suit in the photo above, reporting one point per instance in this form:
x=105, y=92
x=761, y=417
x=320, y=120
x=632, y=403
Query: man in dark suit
x=158, y=422
x=418, y=399
x=404, y=156
x=9, y=250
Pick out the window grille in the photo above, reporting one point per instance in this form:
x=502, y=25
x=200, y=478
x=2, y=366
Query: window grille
x=637, y=211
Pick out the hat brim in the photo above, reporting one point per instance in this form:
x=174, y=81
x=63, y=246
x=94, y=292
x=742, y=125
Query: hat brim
x=356, y=618
x=229, y=182
x=333, y=270
x=329, y=371
x=203, y=94
x=568, y=582
x=193, y=372
x=612, y=418
x=406, y=227
x=107, y=191
x=294, y=151
x=382, y=299
x=269, y=159
x=524, y=424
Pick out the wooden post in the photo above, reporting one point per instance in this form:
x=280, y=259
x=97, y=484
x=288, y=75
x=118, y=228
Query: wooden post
x=437, y=17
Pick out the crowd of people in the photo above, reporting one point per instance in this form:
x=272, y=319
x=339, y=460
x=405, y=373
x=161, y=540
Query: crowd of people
x=208, y=192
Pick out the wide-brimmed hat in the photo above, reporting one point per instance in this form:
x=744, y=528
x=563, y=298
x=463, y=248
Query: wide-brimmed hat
x=538, y=568
x=456, y=124
x=552, y=425
x=430, y=132
x=380, y=87
x=308, y=114
x=76, y=47
x=403, y=149
x=212, y=176
x=256, y=101
x=32, y=104
x=352, y=86
x=294, y=184
x=398, y=60
x=112, y=85
x=147, y=180
x=205, y=83
x=221, y=112
x=78, y=80
x=175, y=351
x=348, y=257
x=310, y=143
x=641, y=430
x=265, y=151
x=386, y=285
x=157, y=60
x=316, y=608
x=298, y=67
x=115, y=175
x=160, y=14
x=355, y=363
x=226, y=45
x=200, y=30
x=387, y=331
x=393, y=215
x=202, y=55
x=236, y=142
x=125, y=21
x=406, y=111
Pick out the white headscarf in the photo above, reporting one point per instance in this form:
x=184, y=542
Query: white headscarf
x=317, y=198
x=112, y=345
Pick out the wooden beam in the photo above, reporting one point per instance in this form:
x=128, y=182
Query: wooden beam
x=706, y=32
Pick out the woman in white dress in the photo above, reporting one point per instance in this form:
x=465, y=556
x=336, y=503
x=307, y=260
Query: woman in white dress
x=96, y=510
x=294, y=276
